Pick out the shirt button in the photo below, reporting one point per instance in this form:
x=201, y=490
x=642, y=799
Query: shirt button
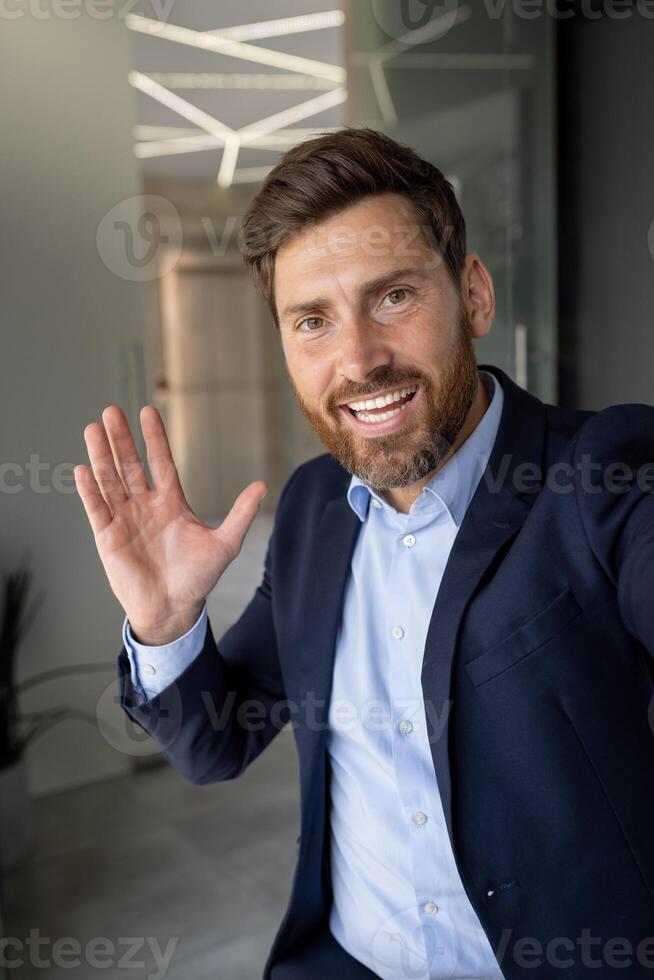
x=431, y=908
x=148, y=669
x=375, y=503
x=397, y=632
x=409, y=540
x=419, y=818
x=405, y=727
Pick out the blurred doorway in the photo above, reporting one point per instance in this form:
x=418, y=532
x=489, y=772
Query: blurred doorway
x=223, y=374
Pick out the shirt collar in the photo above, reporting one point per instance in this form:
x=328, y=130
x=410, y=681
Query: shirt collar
x=453, y=487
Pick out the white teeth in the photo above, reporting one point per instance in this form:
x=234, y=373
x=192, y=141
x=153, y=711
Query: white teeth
x=370, y=403
x=381, y=416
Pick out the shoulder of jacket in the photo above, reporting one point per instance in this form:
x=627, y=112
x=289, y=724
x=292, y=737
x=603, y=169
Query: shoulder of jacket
x=319, y=478
x=621, y=433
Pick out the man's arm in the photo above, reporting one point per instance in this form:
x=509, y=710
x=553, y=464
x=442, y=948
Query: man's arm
x=228, y=701
x=615, y=451
x=161, y=563
x=153, y=668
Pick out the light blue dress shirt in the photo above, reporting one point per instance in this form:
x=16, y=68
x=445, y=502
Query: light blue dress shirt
x=399, y=905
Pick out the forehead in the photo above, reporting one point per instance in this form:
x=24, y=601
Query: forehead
x=375, y=234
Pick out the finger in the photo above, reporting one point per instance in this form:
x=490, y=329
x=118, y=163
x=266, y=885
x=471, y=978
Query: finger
x=95, y=505
x=233, y=529
x=160, y=458
x=127, y=460
x=102, y=463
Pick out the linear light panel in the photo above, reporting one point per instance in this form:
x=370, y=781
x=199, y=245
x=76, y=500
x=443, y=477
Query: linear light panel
x=255, y=81
x=283, y=26
x=234, y=49
x=228, y=161
x=281, y=137
x=149, y=146
x=250, y=134
x=179, y=105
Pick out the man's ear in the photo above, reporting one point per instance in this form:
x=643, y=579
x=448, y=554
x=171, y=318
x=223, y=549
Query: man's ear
x=477, y=294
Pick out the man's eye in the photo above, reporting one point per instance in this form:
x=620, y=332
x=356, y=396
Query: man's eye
x=402, y=293
x=308, y=321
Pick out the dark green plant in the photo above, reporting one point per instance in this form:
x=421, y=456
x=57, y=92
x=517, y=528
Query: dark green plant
x=17, y=730
x=18, y=614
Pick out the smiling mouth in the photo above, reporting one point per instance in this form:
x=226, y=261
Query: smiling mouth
x=382, y=407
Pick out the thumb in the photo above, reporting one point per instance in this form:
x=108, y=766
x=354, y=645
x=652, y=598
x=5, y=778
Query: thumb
x=236, y=525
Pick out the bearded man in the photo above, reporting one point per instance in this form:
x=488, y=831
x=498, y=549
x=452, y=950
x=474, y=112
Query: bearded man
x=467, y=569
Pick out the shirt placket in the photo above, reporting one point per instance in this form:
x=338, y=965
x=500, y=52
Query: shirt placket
x=415, y=778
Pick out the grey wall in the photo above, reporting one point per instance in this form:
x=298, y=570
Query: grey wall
x=71, y=336
x=606, y=183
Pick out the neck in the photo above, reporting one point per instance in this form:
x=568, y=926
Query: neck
x=401, y=498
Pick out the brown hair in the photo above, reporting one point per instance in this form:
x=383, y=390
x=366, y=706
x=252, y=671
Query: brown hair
x=324, y=175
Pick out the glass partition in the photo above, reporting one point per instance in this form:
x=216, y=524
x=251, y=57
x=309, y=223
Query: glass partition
x=470, y=87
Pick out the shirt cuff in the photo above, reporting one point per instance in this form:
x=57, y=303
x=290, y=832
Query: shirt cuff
x=154, y=668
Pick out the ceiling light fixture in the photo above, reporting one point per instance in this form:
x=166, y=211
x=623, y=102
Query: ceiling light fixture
x=283, y=26
x=179, y=105
x=212, y=41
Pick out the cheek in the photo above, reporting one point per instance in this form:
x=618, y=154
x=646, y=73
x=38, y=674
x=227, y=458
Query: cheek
x=415, y=345
x=425, y=341
x=311, y=376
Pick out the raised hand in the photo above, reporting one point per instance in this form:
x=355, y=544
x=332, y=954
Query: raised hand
x=161, y=561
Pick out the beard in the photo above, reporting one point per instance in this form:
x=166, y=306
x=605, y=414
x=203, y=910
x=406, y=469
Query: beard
x=402, y=458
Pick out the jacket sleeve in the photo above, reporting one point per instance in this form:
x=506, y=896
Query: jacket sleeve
x=615, y=492
x=229, y=703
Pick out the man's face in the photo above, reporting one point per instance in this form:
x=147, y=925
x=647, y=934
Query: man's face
x=368, y=310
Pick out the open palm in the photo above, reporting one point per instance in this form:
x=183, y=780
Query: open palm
x=160, y=559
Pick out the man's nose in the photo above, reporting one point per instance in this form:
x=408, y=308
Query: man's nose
x=361, y=349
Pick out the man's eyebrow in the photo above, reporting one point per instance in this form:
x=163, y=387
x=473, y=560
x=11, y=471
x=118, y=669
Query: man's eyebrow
x=366, y=289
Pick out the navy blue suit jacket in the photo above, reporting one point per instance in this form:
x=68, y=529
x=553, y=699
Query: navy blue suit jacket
x=538, y=669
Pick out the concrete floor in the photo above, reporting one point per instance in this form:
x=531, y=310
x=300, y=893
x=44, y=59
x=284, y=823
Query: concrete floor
x=150, y=856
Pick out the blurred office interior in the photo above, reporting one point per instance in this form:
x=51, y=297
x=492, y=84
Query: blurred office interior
x=123, y=283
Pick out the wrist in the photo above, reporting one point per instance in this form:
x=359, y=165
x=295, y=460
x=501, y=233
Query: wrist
x=168, y=631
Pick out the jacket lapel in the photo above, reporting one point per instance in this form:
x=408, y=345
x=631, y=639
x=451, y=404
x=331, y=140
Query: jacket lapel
x=330, y=567
x=495, y=515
